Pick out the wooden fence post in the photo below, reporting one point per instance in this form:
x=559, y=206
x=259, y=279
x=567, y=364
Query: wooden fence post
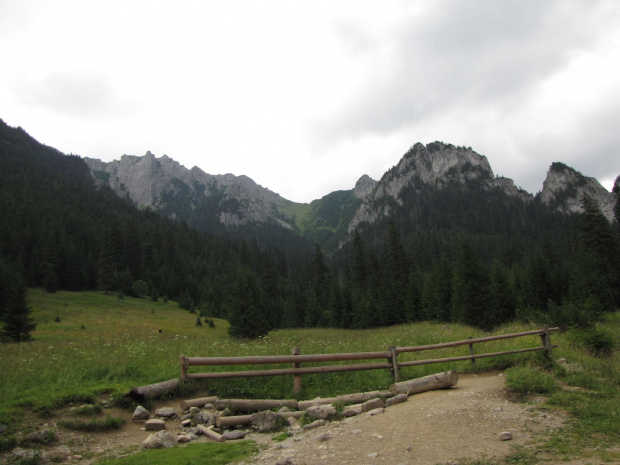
x=546, y=340
x=393, y=359
x=183, y=368
x=471, y=352
x=296, y=378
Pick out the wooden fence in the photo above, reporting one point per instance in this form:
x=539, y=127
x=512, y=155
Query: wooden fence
x=391, y=357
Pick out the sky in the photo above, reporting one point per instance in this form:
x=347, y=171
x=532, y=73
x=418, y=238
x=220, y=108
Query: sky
x=305, y=97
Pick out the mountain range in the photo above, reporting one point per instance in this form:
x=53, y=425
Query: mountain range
x=227, y=202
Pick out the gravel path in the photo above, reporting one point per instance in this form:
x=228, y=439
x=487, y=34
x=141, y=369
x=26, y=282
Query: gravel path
x=433, y=427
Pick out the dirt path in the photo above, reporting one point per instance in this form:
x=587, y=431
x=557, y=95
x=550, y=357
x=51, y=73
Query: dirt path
x=430, y=428
x=433, y=427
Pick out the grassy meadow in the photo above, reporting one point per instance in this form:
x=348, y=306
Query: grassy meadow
x=88, y=343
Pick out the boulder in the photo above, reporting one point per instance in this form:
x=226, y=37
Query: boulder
x=505, y=436
x=159, y=440
x=166, y=412
x=266, y=421
x=140, y=414
x=321, y=412
x=155, y=424
x=204, y=418
x=234, y=435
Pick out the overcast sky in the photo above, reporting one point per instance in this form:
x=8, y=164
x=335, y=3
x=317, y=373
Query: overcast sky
x=305, y=97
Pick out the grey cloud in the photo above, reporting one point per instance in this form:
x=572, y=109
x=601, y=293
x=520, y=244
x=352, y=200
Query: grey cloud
x=462, y=56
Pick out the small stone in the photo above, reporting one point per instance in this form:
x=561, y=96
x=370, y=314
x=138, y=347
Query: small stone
x=373, y=456
x=186, y=423
x=356, y=431
x=325, y=437
x=166, y=412
x=59, y=454
x=284, y=410
x=155, y=424
x=408, y=448
x=396, y=400
x=315, y=424
x=104, y=404
x=234, y=435
x=44, y=436
x=140, y=414
x=372, y=404
x=204, y=418
x=25, y=453
x=376, y=411
x=505, y=436
x=78, y=457
x=183, y=438
x=159, y=440
x=321, y=412
x=208, y=406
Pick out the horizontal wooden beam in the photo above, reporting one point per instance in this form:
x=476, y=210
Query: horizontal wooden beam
x=467, y=357
x=275, y=359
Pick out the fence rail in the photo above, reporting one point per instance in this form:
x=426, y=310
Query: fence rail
x=391, y=357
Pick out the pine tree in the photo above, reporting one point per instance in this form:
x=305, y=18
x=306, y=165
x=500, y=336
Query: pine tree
x=246, y=317
x=17, y=324
x=470, y=301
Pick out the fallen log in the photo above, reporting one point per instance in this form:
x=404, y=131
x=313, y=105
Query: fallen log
x=237, y=420
x=444, y=380
x=201, y=402
x=254, y=405
x=208, y=431
x=357, y=398
x=154, y=390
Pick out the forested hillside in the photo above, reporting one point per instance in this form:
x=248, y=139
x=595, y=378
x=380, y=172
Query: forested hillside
x=460, y=253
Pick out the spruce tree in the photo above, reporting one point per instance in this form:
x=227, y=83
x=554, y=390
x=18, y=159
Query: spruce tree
x=16, y=322
x=246, y=317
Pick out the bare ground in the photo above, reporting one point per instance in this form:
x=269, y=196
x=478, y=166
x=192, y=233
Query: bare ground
x=430, y=428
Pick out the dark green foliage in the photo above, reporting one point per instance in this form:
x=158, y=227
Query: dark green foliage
x=17, y=325
x=245, y=309
x=94, y=424
x=598, y=342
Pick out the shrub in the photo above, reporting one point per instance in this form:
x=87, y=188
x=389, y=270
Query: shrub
x=527, y=379
x=95, y=424
x=597, y=341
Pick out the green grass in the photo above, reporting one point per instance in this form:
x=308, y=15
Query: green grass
x=94, y=424
x=192, y=454
x=122, y=347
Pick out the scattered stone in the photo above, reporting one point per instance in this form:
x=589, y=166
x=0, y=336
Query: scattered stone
x=208, y=406
x=77, y=457
x=183, y=438
x=192, y=436
x=505, y=436
x=372, y=404
x=408, y=448
x=285, y=462
x=104, y=404
x=159, y=440
x=194, y=410
x=356, y=431
x=44, y=436
x=140, y=414
x=266, y=421
x=166, y=412
x=234, y=435
x=59, y=454
x=352, y=410
x=225, y=413
x=325, y=437
x=376, y=411
x=396, y=400
x=373, y=456
x=155, y=424
x=204, y=418
x=315, y=424
x=293, y=423
x=321, y=412
x=186, y=423
x=284, y=409
x=25, y=453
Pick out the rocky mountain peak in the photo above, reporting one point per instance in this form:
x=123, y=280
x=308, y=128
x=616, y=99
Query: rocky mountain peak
x=364, y=186
x=564, y=187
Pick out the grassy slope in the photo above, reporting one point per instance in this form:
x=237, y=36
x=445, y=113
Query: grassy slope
x=106, y=344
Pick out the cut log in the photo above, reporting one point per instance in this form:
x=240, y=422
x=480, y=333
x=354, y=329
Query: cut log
x=255, y=405
x=186, y=404
x=154, y=390
x=357, y=398
x=444, y=380
x=208, y=431
x=237, y=420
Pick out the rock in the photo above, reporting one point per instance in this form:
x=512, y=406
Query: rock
x=321, y=412
x=194, y=410
x=372, y=404
x=375, y=411
x=189, y=416
x=325, y=437
x=234, y=435
x=284, y=410
x=505, y=436
x=208, y=406
x=140, y=414
x=225, y=413
x=266, y=421
x=204, y=418
x=104, y=404
x=396, y=400
x=166, y=412
x=25, y=453
x=59, y=454
x=186, y=423
x=315, y=424
x=352, y=410
x=159, y=440
x=44, y=436
x=155, y=424
x=183, y=438
x=373, y=456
